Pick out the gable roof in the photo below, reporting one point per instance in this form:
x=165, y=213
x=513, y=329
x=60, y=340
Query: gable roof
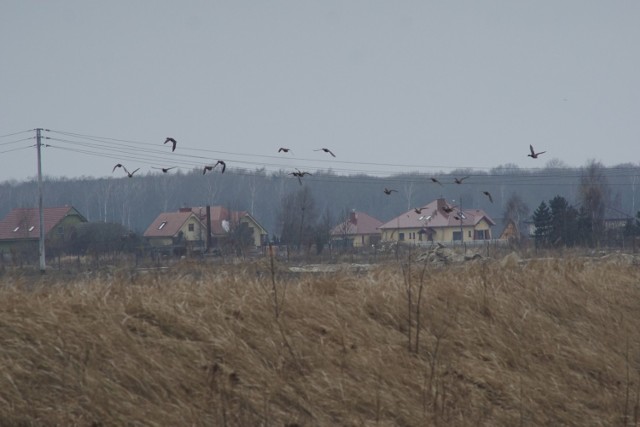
x=173, y=222
x=434, y=216
x=24, y=223
x=222, y=218
x=358, y=223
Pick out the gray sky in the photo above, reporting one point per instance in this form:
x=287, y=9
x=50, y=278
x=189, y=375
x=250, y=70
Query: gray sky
x=415, y=85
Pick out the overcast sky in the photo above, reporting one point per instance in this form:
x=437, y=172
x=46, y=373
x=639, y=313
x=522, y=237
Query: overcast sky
x=387, y=86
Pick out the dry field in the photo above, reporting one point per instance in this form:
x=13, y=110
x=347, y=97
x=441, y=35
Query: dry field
x=495, y=343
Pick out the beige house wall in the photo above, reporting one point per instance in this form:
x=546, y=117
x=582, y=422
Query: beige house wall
x=442, y=234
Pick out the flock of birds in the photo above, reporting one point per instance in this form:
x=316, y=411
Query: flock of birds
x=533, y=154
x=301, y=174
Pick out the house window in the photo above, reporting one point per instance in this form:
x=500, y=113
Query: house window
x=60, y=231
x=161, y=226
x=457, y=235
x=191, y=227
x=401, y=236
x=469, y=233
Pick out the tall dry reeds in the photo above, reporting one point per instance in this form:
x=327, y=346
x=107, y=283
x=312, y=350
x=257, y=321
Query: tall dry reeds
x=543, y=342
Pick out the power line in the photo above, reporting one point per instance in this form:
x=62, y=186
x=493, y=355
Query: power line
x=16, y=141
x=16, y=133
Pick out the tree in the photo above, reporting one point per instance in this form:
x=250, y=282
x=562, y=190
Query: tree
x=594, y=190
x=515, y=209
x=563, y=226
x=297, y=217
x=542, y=221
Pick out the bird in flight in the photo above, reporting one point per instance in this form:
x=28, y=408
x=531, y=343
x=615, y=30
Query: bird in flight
x=418, y=210
x=284, y=150
x=447, y=209
x=486, y=193
x=224, y=165
x=120, y=165
x=459, y=180
x=388, y=191
x=130, y=174
x=207, y=168
x=164, y=170
x=299, y=174
x=172, y=141
x=533, y=154
x=326, y=150
x=435, y=180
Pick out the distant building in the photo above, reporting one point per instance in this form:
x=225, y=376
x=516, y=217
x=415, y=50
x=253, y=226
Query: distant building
x=20, y=229
x=358, y=230
x=176, y=232
x=438, y=221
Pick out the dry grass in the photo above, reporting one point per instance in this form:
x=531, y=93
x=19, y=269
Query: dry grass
x=550, y=342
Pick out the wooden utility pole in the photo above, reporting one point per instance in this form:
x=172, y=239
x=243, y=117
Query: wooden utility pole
x=40, y=207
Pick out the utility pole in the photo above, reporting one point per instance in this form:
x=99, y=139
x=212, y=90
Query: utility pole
x=40, y=208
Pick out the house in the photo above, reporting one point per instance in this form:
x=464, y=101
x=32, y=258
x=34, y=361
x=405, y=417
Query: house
x=21, y=227
x=358, y=230
x=438, y=221
x=224, y=222
x=177, y=231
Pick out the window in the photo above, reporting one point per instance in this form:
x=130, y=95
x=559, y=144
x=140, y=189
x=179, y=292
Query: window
x=469, y=233
x=60, y=231
x=191, y=227
x=161, y=226
x=401, y=236
x=16, y=229
x=32, y=227
x=457, y=235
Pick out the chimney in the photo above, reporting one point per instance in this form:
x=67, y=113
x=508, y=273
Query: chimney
x=353, y=217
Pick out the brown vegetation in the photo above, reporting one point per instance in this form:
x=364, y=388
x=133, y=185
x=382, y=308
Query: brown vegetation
x=546, y=342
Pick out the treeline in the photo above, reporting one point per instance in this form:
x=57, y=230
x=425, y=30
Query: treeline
x=135, y=202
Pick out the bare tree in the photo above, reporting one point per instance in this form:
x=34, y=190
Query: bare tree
x=594, y=195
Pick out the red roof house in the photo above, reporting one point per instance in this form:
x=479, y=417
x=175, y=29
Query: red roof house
x=359, y=229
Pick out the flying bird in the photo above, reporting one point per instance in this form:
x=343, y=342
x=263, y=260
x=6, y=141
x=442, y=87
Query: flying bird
x=207, y=168
x=299, y=174
x=447, y=209
x=434, y=180
x=533, y=154
x=164, y=170
x=388, y=191
x=224, y=165
x=120, y=165
x=284, y=150
x=418, y=210
x=130, y=174
x=326, y=150
x=486, y=193
x=172, y=141
x=459, y=180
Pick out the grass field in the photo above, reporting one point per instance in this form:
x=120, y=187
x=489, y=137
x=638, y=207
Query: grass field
x=490, y=342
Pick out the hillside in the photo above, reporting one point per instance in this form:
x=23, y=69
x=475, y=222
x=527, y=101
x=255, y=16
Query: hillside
x=541, y=342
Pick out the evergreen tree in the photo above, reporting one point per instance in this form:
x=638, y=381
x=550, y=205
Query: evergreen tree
x=542, y=222
x=563, y=228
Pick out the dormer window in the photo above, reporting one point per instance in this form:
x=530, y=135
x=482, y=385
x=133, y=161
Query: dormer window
x=32, y=227
x=161, y=226
x=16, y=229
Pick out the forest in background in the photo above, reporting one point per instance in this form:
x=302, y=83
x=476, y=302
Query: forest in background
x=135, y=202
